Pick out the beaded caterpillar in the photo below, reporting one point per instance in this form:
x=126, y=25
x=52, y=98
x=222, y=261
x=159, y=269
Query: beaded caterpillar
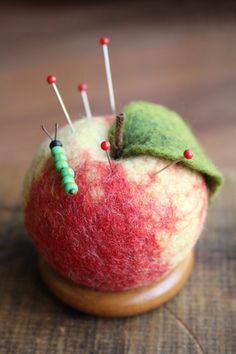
x=61, y=163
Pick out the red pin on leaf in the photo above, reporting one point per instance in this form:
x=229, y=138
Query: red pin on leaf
x=188, y=154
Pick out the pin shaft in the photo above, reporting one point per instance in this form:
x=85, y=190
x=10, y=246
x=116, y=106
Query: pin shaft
x=86, y=104
x=63, y=106
x=169, y=165
x=109, y=78
x=109, y=160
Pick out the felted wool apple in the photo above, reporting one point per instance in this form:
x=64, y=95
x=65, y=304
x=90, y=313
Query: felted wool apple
x=127, y=227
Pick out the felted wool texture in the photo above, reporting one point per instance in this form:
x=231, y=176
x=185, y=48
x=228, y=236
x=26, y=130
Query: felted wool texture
x=121, y=230
x=152, y=129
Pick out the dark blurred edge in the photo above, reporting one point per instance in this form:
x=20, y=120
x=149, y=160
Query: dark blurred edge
x=165, y=6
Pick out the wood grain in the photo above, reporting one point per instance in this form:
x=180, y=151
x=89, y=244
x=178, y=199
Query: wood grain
x=185, y=61
x=117, y=303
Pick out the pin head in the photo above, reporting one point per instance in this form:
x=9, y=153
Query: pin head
x=104, y=40
x=105, y=145
x=188, y=154
x=83, y=87
x=73, y=191
x=51, y=79
x=55, y=143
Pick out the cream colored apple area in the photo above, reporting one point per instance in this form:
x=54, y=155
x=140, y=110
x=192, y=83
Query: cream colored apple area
x=182, y=188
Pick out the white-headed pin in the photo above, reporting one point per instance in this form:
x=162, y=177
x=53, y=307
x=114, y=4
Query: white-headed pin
x=51, y=79
x=82, y=88
x=104, y=43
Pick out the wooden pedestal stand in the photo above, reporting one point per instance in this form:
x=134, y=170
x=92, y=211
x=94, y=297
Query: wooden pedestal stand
x=120, y=303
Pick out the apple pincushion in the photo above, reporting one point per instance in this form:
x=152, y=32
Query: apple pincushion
x=127, y=227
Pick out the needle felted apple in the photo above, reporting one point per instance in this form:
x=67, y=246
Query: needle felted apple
x=126, y=226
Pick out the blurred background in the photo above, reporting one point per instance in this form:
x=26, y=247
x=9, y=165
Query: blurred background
x=181, y=54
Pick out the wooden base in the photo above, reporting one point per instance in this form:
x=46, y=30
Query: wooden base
x=120, y=303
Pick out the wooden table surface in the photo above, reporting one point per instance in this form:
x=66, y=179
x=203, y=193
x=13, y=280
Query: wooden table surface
x=185, y=60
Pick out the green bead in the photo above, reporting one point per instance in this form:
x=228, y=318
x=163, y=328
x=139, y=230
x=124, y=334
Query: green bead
x=61, y=164
x=57, y=150
x=60, y=157
x=71, y=188
x=68, y=179
x=67, y=171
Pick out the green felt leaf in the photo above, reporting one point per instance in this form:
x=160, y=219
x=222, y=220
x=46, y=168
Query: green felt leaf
x=152, y=129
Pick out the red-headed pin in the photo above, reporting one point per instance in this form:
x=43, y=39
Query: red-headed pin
x=104, y=43
x=51, y=80
x=83, y=91
x=187, y=154
x=105, y=146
